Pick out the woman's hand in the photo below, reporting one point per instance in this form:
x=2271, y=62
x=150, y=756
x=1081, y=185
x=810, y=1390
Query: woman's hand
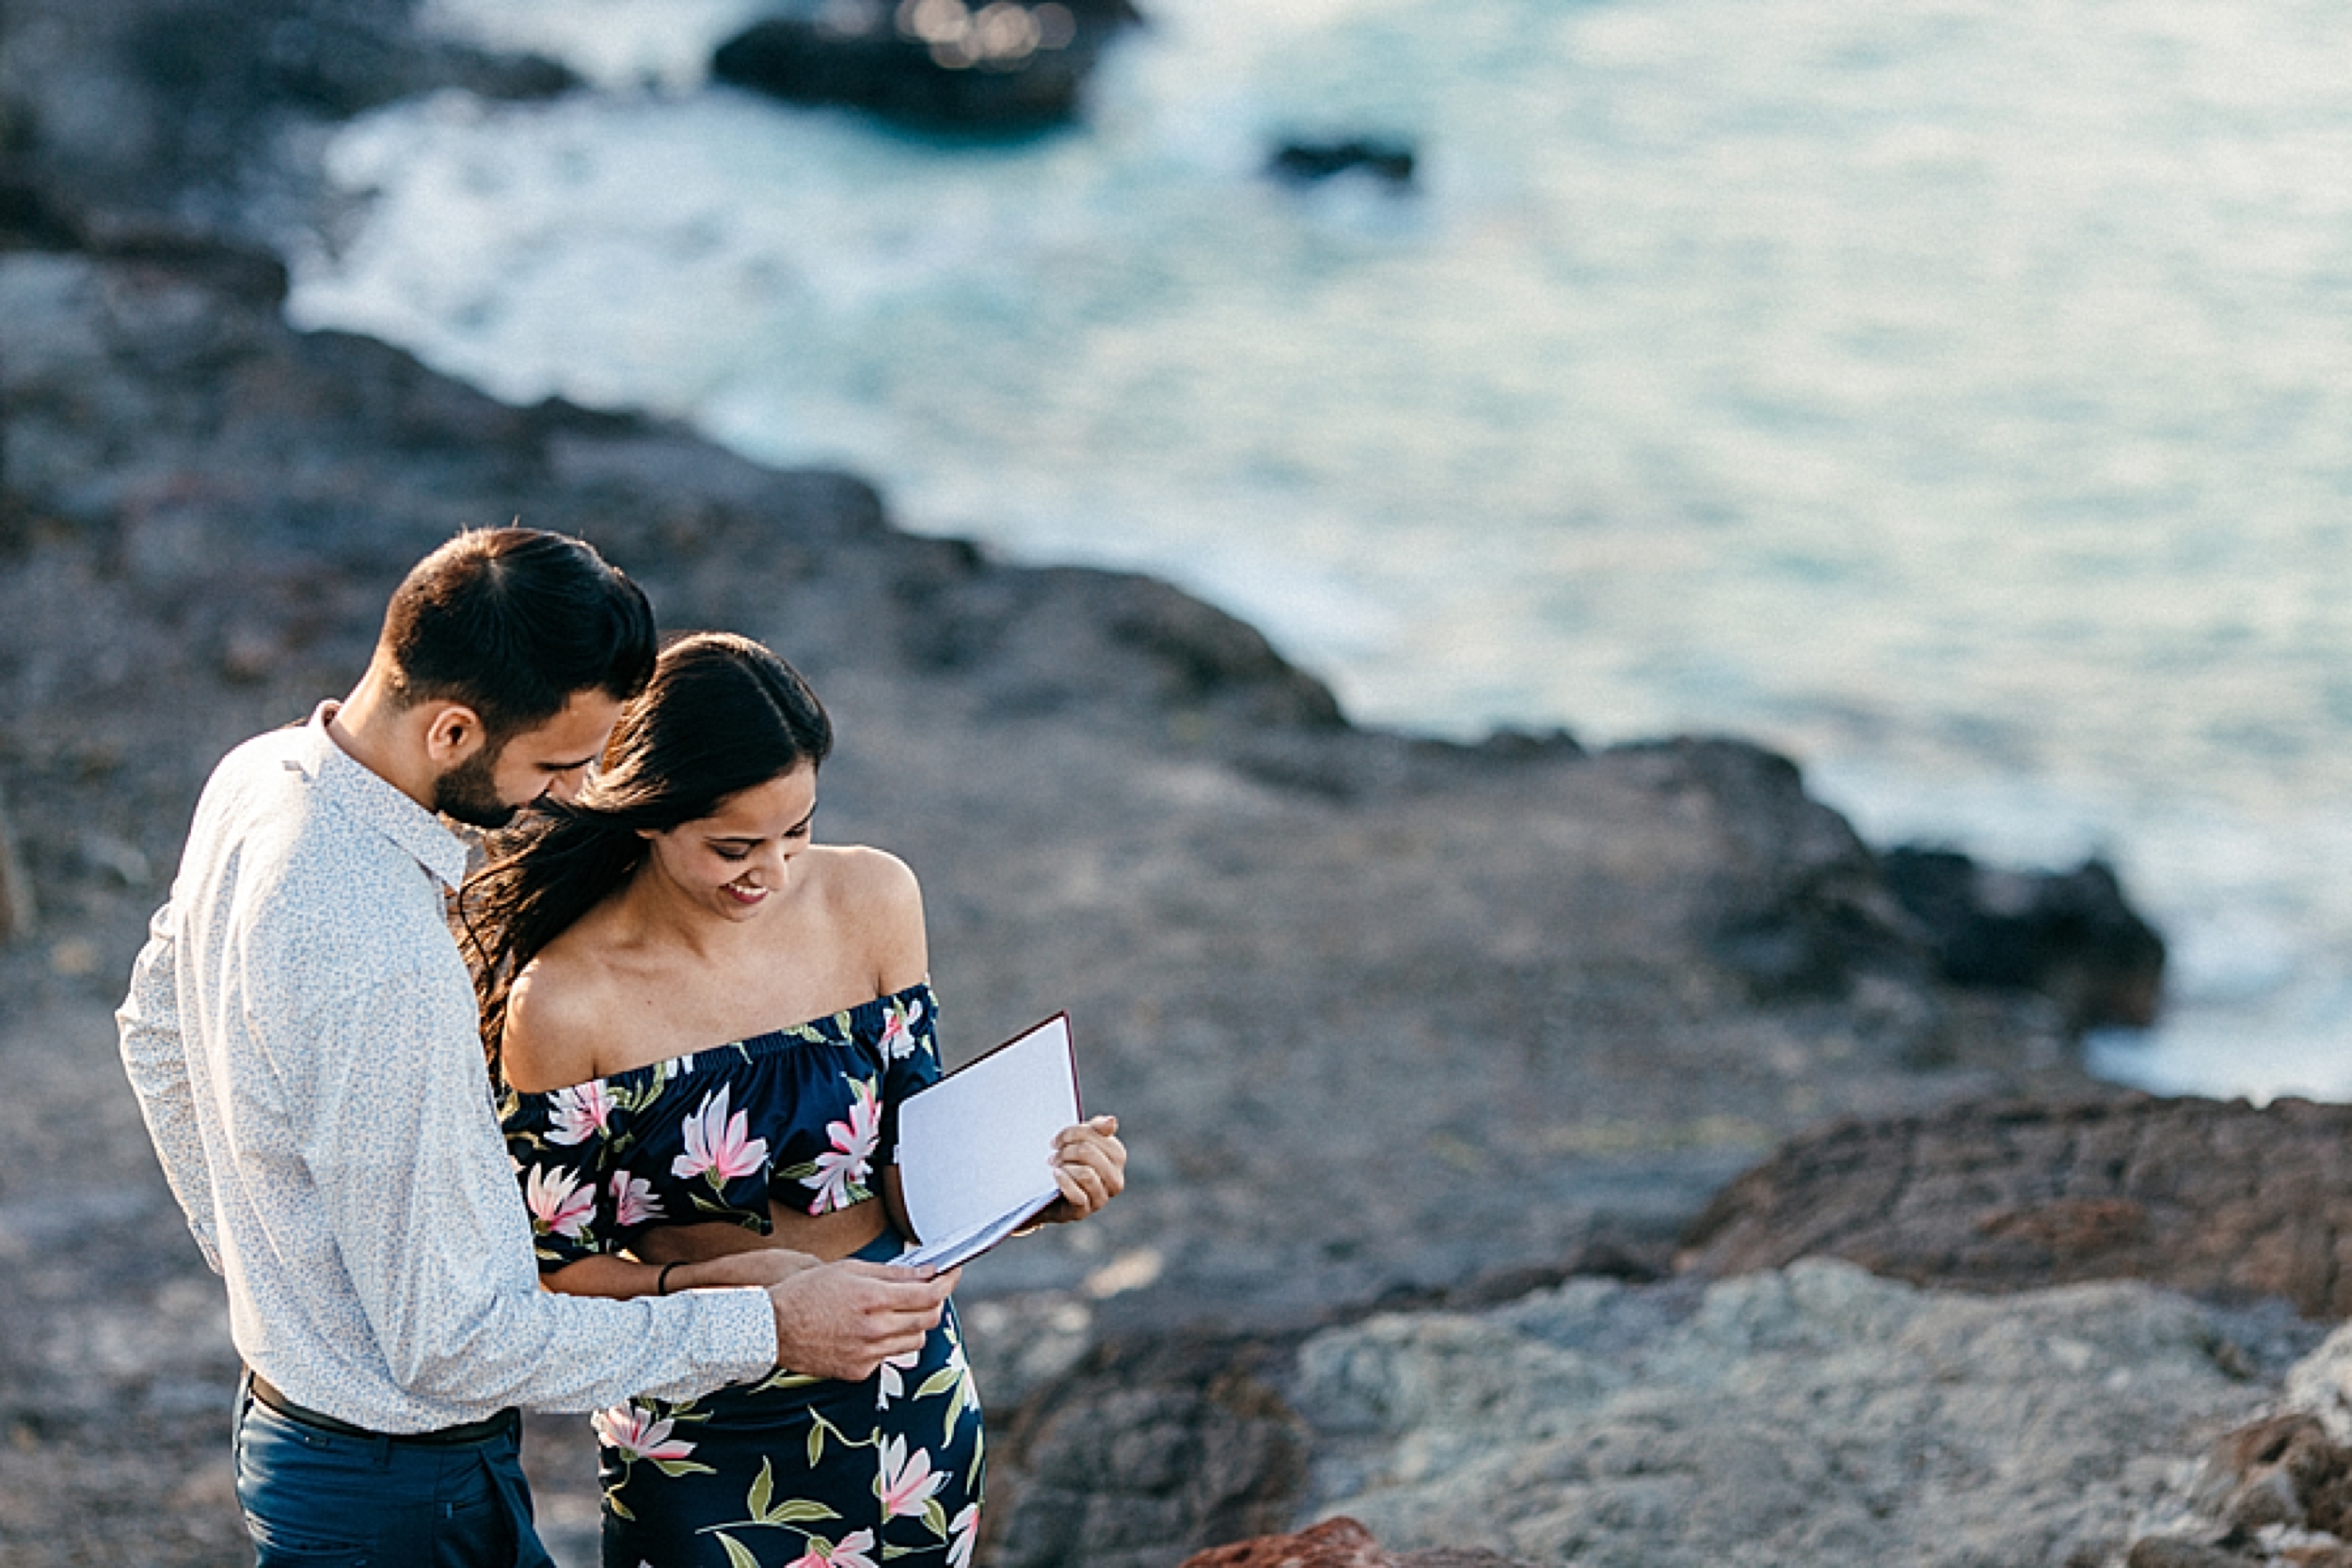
x=1089, y=1165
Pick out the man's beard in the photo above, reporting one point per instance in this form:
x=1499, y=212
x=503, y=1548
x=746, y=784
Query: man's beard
x=468, y=793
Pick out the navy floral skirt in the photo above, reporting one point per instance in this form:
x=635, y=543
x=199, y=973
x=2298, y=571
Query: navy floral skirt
x=801, y=1471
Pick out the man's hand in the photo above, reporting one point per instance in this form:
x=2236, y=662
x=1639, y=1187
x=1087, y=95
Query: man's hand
x=844, y=1319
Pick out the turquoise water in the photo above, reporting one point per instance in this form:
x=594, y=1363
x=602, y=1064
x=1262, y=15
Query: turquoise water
x=1955, y=395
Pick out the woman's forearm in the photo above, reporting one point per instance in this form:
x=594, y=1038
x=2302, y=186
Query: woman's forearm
x=624, y=1278
x=619, y=1277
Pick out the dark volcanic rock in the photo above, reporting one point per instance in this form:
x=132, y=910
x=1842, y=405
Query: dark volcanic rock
x=2219, y=1199
x=1340, y=1543
x=1802, y=908
x=1309, y=162
x=148, y=114
x=1147, y=1450
x=1004, y=66
x=2067, y=934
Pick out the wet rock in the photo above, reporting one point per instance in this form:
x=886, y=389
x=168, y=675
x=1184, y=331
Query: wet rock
x=1002, y=66
x=2223, y=1199
x=1340, y=1543
x=1307, y=161
x=2068, y=934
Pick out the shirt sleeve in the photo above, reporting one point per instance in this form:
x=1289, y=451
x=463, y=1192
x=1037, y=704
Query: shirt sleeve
x=148, y=1027
x=431, y=1225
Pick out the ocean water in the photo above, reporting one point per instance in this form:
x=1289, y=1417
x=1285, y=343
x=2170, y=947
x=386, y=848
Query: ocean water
x=1955, y=395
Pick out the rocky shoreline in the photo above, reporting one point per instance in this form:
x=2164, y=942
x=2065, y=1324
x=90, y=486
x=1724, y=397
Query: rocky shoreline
x=1432, y=1056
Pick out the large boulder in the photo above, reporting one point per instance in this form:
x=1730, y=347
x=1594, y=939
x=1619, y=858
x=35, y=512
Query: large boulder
x=2220, y=1199
x=2070, y=935
x=1002, y=66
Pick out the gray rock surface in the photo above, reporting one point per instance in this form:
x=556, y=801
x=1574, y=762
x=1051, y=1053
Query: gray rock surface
x=1815, y=1415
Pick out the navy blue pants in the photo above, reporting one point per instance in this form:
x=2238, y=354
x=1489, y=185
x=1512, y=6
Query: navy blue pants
x=321, y=1499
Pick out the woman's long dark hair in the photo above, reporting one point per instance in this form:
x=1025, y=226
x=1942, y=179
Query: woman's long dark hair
x=721, y=715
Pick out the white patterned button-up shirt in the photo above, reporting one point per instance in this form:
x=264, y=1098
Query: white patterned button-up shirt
x=301, y=1034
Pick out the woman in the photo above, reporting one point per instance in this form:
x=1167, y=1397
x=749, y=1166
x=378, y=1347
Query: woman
x=705, y=1024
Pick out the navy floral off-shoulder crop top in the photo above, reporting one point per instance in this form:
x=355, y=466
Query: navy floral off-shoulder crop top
x=804, y=1115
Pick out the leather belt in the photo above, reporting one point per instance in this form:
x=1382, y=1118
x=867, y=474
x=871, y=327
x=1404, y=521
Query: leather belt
x=472, y=1431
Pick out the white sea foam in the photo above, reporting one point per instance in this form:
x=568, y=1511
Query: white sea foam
x=1951, y=393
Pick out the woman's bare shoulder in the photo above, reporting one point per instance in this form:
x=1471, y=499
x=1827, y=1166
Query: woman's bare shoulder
x=879, y=903
x=554, y=1016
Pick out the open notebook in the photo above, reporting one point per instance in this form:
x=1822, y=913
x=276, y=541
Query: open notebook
x=973, y=1147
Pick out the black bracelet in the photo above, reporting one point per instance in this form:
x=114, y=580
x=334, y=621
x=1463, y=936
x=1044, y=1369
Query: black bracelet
x=661, y=1284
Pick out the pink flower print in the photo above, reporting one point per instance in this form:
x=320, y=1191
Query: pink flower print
x=892, y=1384
x=845, y=1165
x=716, y=1143
x=557, y=1202
x=579, y=1112
x=906, y=1484
x=633, y=1202
x=897, y=1032
x=637, y=1434
x=963, y=1532
x=847, y=1552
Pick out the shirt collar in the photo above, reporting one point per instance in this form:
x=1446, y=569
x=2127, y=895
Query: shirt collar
x=376, y=802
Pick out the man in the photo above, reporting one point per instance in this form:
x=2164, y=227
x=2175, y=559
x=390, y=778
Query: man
x=301, y=1034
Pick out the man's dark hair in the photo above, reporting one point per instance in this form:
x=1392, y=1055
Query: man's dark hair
x=513, y=622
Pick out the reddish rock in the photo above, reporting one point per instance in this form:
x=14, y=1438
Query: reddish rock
x=2159, y=1551
x=2283, y=1471
x=2221, y=1200
x=1340, y=1543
